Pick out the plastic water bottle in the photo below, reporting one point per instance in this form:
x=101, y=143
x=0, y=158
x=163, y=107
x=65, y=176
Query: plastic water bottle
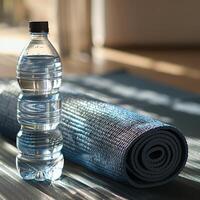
x=39, y=141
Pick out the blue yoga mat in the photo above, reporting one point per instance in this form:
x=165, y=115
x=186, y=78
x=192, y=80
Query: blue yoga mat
x=108, y=139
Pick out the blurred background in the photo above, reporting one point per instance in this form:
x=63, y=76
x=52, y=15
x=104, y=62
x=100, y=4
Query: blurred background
x=158, y=40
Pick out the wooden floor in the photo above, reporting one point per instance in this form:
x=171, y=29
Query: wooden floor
x=7, y=66
x=179, y=68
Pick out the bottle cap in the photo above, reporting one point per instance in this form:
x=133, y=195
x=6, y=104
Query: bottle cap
x=38, y=26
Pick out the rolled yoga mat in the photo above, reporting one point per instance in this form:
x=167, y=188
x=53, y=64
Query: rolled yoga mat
x=109, y=139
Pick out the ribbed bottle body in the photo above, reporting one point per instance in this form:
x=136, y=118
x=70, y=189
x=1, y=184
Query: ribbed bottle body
x=39, y=141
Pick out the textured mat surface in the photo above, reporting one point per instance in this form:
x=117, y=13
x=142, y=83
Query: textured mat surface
x=108, y=139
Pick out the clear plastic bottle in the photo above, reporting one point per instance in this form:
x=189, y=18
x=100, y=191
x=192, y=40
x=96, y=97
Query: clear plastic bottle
x=39, y=141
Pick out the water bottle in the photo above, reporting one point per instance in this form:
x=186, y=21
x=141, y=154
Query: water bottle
x=39, y=142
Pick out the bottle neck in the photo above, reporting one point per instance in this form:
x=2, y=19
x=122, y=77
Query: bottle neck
x=39, y=36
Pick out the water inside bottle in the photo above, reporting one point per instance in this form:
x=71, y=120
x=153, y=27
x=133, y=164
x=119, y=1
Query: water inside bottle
x=39, y=74
x=39, y=107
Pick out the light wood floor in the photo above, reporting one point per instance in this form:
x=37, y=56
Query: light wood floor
x=177, y=68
